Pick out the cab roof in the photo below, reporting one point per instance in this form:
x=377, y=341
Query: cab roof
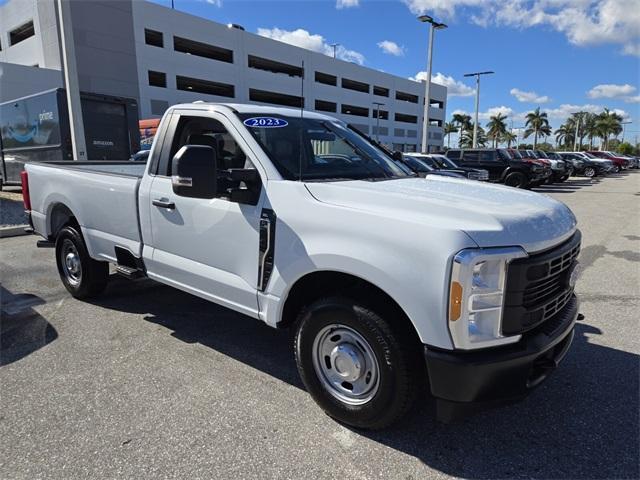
x=253, y=109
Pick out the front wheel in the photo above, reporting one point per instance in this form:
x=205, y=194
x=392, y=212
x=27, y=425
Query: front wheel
x=616, y=169
x=353, y=364
x=81, y=275
x=590, y=172
x=516, y=179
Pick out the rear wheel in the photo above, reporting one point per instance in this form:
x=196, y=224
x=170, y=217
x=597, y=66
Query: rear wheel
x=81, y=275
x=516, y=179
x=353, y=364
x=616, y=169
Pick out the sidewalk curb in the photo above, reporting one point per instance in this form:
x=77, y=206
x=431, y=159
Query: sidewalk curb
x=13, y=231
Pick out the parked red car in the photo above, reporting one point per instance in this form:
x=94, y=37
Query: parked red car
x=618, y=162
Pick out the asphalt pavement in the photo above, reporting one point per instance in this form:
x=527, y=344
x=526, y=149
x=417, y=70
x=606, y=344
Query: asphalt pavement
x=150, y=382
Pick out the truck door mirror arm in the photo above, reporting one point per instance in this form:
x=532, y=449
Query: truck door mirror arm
x=250, y=177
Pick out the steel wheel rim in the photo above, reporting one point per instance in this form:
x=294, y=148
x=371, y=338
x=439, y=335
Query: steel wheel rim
x=70, y=261
x=346, y=364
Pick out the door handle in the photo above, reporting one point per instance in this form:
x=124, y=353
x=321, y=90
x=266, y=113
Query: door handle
x=159, y=202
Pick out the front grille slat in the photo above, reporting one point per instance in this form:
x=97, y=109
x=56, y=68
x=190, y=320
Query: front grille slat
x=537, y=287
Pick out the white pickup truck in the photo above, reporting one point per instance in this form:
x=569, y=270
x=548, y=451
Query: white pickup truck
x=392, y=282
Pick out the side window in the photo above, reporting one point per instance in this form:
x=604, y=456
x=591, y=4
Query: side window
x=192, y=130
x=454, y=154
x=471, y=157
x=487, y=156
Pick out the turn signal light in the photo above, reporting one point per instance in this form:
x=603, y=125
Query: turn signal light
x=455, y=301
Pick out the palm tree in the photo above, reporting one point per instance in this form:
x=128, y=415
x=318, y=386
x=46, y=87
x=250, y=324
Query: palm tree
x=590, y=128
x=536, y=120
x=509, y=137
x=461, y=119
x=608, y=123
x=464, y=122
x=466, y=138
x=496, y=128
x=449, y=128
x=565, y=134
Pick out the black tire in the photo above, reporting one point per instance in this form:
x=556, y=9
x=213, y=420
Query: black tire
x=395, y=359
x=616, y=169
x=516, y=179
x=589, y=172
x=91, y=277
x=564, y=178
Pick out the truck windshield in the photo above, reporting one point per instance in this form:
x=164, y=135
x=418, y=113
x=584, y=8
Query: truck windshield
x=436, y=161
x=417, y=165
x=310, y=149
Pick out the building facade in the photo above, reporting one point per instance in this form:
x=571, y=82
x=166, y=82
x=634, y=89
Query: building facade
x=161, y=57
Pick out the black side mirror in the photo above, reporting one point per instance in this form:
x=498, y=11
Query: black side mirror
x=194, y=172
x=397, y=156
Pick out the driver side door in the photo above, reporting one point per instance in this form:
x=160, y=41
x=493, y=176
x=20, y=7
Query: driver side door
x=208, y=247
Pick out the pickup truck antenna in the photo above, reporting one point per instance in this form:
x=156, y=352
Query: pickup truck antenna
x=301, y=146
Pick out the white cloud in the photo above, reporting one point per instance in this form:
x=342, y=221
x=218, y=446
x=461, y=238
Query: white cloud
x=217, y=3
x=584, y=22
x=455, y=88
x=529, y=97
x=317, y=43
x=632, y=49
x=635, y=99
x=610, y=90
x=486, y=115
x=392, y=48
x=340, y=4
x=565, y=110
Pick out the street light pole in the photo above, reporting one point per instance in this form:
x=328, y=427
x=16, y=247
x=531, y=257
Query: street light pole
x=378, y=105
x=575, y=140
x=623, y=124
x=334, y=45
x=433, y=25
x=475, y=123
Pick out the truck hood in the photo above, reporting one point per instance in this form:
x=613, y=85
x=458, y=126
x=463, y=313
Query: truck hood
x=492, y=215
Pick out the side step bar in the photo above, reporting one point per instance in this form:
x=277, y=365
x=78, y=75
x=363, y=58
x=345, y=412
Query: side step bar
x=128, y=272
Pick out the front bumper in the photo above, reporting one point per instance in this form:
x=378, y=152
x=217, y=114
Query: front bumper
x=464, y=382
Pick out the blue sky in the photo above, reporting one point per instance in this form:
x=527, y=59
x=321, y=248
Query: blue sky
x=561, y=55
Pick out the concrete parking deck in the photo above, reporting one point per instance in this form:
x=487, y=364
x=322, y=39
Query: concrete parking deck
x=149, y=382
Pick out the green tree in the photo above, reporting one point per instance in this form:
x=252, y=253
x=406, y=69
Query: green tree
x=449, y=128
x=509, y=137
x=464, y=123
x=496, y=128
x=626, y=149
x=537, y=123
x=590, y=128
x=565, y=134
x=608, y=123
x=466, y=138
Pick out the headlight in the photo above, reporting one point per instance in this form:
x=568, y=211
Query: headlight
x=476, y=297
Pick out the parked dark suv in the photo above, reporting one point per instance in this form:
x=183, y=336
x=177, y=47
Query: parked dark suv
x=501, y=166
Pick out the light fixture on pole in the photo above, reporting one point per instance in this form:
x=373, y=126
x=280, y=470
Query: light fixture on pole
x=475, y=124
x=334, y=46
x=623, y=124
x=378, y=105
x=433, y=25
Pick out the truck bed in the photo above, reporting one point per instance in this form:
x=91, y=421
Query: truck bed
x=102, y=196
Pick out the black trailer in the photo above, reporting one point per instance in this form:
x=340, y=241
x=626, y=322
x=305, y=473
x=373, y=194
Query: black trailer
x=36, y=128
